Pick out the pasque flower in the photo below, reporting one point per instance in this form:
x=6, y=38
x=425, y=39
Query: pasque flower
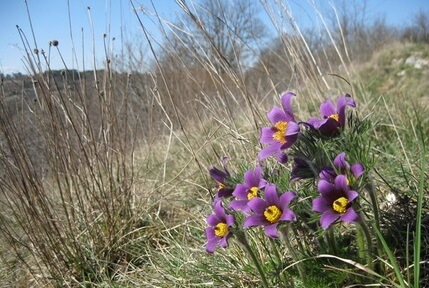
x=283, y=132
x=334, y=118
x=253, y=183
x=218, y=231
x=271, y=210
x=221, y=177
x=352, y=172
x=335, y=202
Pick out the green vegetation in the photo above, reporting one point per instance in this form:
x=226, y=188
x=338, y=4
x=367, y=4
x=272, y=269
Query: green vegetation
x=104, y=175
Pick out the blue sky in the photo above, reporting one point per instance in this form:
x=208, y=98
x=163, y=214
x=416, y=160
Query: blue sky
x=50, y=20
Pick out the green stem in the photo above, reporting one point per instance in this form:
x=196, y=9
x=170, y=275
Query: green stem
x=242, y=239
x=365, y=229
x=285, y=233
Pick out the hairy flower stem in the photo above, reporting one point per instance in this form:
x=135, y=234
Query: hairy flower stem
x=285, y=234
x=241, y=237
x=365, y=251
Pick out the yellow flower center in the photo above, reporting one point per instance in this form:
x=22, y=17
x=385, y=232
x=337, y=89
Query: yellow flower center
x=340, y=205
x=336, y=117
x=272, y=214
x=280, y=133
x=253, y=192
x=220, y=186
x=221, y=229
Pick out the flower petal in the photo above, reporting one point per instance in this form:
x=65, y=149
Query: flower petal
x=267, y=135
x=219, y=210
x=340, y=162
x=210, y=233
x=325, y=188
x=288, y=215
x=268, y=151
x=320, y=205
x=257, y=205
x=211, y=245
x=351, y=195
x=271, y=196
x=341, y=182
x=276, y=114
x=213, y=220
x=286, y=104
x=286, y=198
x=357, y=170
x=350, y=216
x=327, y=108
x=342, y=102
x=271, y=230
x=223, y=242
x=328, y=217
x=218, y=175
x=241, y=191
x=255, y=220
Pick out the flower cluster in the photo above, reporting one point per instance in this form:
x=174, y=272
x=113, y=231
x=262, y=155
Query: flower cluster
x=260, y=201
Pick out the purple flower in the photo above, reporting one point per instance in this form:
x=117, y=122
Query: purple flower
x=219, y=230
x=272, y=210
x=221, y=177
x=352, y=172
x=253, y=183
x=302, y=169
x=283, y=132
x=335, y=202
x=334, y=118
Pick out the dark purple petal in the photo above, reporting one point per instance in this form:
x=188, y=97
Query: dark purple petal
x=329, y=127
x=350, y=216
x=325, y=188
x=281, y=157
x=224, y=193
x=321, y=205
x=267, y=135
x=271, y=230
x=327, y=174
x=351, y=195
x=218, y=175
x=328, y=217
x=276, y=114
x=340, y=162
x=327, y=108
x=255, y=220
x=257, y=205
x=271, y=195
x=316, y=123
x=357, y=170
x=288, y=215
x=286, y=198
x=286, y=104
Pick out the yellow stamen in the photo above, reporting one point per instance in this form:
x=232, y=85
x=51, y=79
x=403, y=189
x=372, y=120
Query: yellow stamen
x=221, y=229
x=340, y=205
x=272, y=214
x=280, y=133
x=336, y=117
x=253, y=192
x=220, y=186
